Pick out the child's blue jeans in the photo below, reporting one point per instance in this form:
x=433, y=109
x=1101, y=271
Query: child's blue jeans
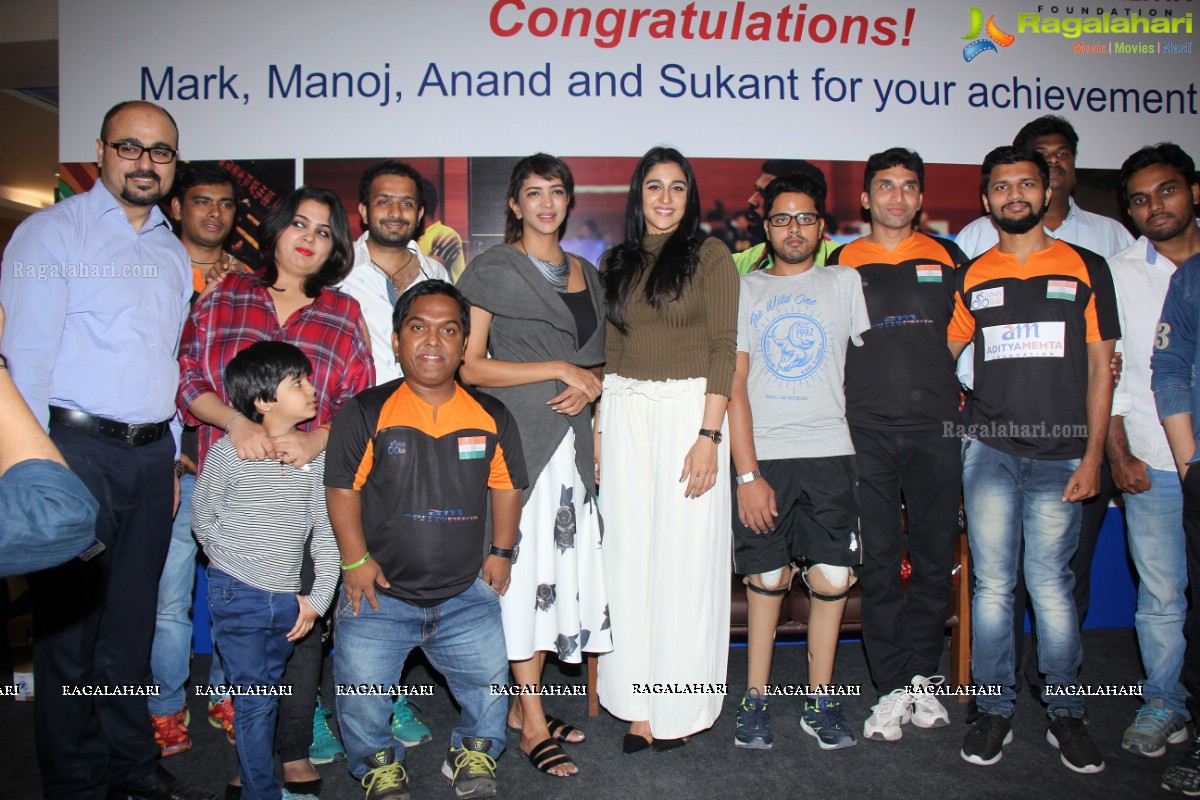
x=252, y=627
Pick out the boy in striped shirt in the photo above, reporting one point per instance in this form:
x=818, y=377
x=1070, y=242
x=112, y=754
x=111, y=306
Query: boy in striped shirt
x=253, y=518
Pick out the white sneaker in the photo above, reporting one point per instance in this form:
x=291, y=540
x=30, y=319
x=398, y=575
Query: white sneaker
x=927, y=710
x=892, y=711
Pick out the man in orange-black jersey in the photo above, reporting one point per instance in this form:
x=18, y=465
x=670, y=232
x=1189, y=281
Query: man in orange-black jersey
x=1043, y=317
x=901, y=403
x=410, y=469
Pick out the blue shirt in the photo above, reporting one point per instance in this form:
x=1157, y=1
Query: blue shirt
x=95, y=310
x=1176, y=354
x=49, y=516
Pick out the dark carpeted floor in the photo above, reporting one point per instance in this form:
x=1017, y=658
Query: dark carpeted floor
x=925, y=763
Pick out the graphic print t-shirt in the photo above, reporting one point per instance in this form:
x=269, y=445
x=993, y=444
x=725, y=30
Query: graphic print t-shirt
x=796, y=329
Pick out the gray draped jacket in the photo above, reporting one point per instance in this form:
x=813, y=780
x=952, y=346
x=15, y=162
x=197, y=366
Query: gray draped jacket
x=532, y=323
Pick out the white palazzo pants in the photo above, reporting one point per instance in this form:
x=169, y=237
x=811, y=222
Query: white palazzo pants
x=666, y=559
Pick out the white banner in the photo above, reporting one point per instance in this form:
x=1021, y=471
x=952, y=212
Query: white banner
x=738, y=78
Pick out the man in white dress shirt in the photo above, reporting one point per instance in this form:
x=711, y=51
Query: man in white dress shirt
x=386, y=258
x=1160, y=189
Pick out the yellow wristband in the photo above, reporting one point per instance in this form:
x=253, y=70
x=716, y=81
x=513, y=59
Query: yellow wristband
x=356, y=564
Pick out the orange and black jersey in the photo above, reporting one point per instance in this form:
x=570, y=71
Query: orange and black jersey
x=424, y=482
x=902, y=378
x=1031, y=325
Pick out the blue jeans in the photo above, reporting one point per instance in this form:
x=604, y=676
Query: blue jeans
x=171, y=654
x=1009, y=498
x=1156, y=543
x=463, y=639
x=253, y=627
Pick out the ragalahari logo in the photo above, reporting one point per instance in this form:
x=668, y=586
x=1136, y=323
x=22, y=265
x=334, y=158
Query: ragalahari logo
x=995, y=36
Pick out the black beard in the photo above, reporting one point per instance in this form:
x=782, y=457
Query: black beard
x=1021, y=224
x=382, y=239
x=141, y=199
x=1165, y=234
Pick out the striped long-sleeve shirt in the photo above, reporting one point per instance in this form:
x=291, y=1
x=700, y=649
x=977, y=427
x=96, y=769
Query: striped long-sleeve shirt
x=253, y=517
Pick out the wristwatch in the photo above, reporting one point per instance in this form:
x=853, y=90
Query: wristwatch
x=714, y=435
x=746, y=477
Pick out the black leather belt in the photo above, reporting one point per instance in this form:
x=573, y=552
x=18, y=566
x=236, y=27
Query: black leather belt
x=132, y=435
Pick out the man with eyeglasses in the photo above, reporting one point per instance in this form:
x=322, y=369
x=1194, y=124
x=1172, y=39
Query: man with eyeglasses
x=793, y=455
x=97, y=288
x=759, y=256
x=1042, y=315
x=1056, y=140
x=902, y=405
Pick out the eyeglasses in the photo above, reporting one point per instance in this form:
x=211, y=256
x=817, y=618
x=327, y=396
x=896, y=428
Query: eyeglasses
x=804, y=218
x=132, y=152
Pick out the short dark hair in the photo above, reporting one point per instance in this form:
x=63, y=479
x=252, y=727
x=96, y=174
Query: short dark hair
x=341, y=256
x=429, y=197
x=1047, y=125
x=256, y=372
x=390, y=167
x=1011, y=154
x=798, y=183
x=202, y=173
x=792, y=166
x=1166, y=153
x=425, y=288
x=119, y=107
x=544, y=166
x=894, y=157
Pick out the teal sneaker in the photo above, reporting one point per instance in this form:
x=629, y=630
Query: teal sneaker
x=406, y=728
x=822, y=718
x=325, y=748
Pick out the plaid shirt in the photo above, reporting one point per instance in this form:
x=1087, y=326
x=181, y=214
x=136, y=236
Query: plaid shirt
x=238, y=313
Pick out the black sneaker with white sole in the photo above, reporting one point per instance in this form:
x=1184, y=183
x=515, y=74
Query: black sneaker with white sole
x=1183, y=776
x=1076, y=749
x=984, y=743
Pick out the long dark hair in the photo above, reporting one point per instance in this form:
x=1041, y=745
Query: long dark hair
x=341, y=256
x=676, y=264
x=544, y=166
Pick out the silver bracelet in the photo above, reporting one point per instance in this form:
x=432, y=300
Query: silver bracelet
x=236, y=414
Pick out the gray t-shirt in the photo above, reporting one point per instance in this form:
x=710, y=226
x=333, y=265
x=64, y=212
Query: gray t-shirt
x=795, y=329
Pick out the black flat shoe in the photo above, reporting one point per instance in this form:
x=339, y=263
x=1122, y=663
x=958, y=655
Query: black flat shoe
x=632, y=743
x=159, y=785
x=663, y=745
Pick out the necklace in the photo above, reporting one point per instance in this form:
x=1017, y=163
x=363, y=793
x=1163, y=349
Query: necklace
x=555, y=274
x=206, y=263
x=392, y=276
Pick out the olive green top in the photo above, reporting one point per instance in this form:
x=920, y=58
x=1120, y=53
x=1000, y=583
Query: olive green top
x=693, y=337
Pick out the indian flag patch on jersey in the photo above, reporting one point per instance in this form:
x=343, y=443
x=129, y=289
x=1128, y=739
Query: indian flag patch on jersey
x=1060, y=290
x=929, y=273
x=471, y=447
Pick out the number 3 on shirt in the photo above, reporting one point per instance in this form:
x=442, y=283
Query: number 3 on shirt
x=1162, y=336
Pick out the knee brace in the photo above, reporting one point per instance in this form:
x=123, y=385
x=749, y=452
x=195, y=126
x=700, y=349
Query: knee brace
x=780, y=579
x=837, y=576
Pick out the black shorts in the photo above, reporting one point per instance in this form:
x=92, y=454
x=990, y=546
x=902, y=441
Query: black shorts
x=817, y=499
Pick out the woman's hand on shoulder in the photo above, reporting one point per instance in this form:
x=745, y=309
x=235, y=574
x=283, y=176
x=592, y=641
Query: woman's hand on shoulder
x=250, y=439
